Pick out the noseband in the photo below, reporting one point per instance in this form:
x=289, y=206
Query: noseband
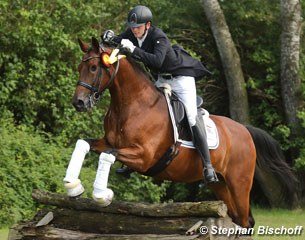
x=96, y=92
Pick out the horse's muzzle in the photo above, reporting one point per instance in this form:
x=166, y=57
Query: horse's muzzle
x=80, y=105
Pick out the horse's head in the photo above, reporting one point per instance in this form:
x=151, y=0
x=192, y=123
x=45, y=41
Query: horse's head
x=94, y=75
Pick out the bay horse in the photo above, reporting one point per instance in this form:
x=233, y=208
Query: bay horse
x=138, y=131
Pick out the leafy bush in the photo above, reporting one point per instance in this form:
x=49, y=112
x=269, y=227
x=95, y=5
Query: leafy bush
x=28, y=160
x=38, y=62
x=137, y=188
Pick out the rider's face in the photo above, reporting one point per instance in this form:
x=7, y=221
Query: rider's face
x=138, y=32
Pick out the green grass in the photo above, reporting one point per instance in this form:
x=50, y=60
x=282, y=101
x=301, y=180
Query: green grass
x=278, y=218
x=3, y=233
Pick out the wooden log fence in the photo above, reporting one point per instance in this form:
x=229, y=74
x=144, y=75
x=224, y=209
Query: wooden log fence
x=82, y=219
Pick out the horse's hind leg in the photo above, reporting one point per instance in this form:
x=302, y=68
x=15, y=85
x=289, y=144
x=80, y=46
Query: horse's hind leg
x=251, y=219
x=240, y=192
x=222, y=192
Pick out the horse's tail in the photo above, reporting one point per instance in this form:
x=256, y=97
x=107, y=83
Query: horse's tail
x=273, y=173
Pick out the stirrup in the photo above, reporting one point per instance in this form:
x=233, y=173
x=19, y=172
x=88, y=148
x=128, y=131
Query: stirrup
x=74, y=189
x=210, y=175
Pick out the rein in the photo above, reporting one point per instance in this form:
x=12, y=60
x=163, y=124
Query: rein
x=94, y=88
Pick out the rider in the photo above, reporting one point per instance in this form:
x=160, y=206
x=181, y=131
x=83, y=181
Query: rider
x=172, y=65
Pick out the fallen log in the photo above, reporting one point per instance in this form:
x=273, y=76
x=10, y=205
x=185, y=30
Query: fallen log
x=27, y=231
x=111, y=223
x=182, y=209
x=82, y=219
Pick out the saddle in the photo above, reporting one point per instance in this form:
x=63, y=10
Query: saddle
x=180, y=121
x=182, y=129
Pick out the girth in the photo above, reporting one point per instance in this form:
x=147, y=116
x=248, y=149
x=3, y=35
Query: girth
x=164, y=161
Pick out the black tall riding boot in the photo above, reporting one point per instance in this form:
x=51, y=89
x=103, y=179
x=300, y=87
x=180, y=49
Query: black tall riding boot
x=201, y=144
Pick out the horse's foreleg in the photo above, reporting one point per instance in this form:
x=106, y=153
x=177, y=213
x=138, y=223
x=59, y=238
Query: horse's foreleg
x=72, y=182
x=98, y=145
x=82, y=147
x=101, y=193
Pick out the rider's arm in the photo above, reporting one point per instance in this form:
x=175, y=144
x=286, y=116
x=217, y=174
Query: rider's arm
x=154, y=52
x=155, y=58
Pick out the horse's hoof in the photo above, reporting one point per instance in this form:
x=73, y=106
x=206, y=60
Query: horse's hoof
x=103, y=197
x=74, y=189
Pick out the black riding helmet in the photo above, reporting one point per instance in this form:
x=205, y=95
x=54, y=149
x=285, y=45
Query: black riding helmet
x=138, y=16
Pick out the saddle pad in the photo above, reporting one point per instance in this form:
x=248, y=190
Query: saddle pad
x=211, y=131
x=210, y=127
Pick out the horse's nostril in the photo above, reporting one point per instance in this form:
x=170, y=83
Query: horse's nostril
x=78, y=104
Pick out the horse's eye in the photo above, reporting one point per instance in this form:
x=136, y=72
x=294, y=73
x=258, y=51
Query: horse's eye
x=93, y=68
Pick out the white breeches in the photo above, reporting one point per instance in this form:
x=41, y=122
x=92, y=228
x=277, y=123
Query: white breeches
x=185, y=88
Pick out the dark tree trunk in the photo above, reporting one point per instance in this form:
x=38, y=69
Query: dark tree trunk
x=238, y=98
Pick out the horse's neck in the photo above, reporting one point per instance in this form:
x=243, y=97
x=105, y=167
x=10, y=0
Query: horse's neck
x=132, y=86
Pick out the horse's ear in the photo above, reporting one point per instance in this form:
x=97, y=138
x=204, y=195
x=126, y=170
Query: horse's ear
x=84, y=46
x=95, y=44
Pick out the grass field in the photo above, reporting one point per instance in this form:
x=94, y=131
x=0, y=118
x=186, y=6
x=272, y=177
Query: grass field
x=276, y=218
x=3, y=234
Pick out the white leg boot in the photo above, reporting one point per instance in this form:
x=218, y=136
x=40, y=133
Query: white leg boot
x=101, y=193
x=74, y=189
x=71, y=181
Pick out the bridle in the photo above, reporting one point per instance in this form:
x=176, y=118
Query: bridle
x=96, y=92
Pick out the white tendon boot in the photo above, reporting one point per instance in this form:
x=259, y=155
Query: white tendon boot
x=71, y=182
x=74, y=189
x=101, y=193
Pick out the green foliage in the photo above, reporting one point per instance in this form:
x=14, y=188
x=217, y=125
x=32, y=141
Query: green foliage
x=28, y=160
x=137, y=188
x=38, y=62
x=300, y=161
